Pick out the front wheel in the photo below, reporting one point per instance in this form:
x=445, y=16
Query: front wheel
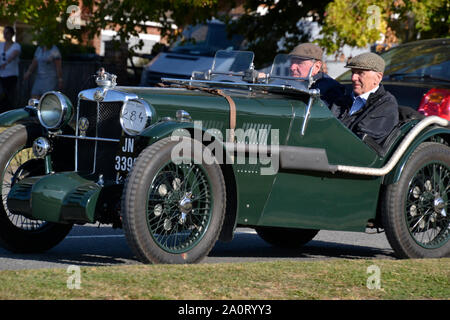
x=18, y=233
x=173, y=206
x=415, y=212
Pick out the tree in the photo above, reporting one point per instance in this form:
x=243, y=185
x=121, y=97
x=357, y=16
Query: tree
x=128, y=17
x=49, y=19
x=269, y=26
x=362, y=22
x=356, y=23
x=266, y=22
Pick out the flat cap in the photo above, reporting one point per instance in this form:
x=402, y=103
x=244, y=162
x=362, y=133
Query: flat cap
x=308, y=51
x=367, y=61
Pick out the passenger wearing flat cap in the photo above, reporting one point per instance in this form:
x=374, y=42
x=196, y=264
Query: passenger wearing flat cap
x=369, y=111
x=307, y=56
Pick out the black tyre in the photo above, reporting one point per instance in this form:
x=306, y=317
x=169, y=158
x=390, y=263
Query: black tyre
x=18, y=233
x=415, y=210
x=172, y=212
x=286, y=237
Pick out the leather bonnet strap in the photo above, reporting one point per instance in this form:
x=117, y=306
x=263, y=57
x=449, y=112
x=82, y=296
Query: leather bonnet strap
x=232, y=113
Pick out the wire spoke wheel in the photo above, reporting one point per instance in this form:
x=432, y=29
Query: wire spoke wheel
x=15, y=171
x=415, y=208
x=427, y=205
x=17, y=232
x=179, y=206
x=173, y=206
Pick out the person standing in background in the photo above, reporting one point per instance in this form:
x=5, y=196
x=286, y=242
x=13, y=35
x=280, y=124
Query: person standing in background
x=9, y=69
x=47, y=60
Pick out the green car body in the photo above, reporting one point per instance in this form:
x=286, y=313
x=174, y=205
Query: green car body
x=296, y=185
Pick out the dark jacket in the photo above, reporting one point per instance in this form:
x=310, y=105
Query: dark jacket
x=376, y=119
x=330, y=89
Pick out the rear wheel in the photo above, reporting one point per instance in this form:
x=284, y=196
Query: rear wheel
x=172, y=211
x=286, y=237
x=18, y=233
x=415, y=210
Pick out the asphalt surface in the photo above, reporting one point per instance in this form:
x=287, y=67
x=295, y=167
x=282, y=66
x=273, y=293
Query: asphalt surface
x=104, y=246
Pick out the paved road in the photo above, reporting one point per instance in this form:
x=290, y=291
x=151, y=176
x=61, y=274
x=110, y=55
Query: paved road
x=93, y=246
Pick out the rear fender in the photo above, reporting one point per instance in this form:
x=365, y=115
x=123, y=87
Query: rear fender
x=435, y=133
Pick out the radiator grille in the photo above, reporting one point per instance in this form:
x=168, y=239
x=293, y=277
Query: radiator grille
x=98, y=156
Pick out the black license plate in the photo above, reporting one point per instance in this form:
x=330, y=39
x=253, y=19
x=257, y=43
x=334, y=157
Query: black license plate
x=125, y=158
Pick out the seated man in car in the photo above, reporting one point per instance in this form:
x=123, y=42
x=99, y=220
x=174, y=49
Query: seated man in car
x=307, y=56
x=369, y=111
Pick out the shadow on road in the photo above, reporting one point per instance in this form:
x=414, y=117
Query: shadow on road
x=251, y=246
x=111, y=249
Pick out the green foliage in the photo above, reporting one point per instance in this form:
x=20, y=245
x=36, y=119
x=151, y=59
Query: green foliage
x=263, y=31
x=431, y=18
x=356, y=24
x=360, y=23
x=127, y=17
x=352, y=22
x=47, y=18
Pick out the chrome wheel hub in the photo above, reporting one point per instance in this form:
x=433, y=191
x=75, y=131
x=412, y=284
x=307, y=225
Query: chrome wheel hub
x=185, y=206
x=439, y=206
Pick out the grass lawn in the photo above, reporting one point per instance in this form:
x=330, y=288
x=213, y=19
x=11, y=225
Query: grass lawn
x=330, y=279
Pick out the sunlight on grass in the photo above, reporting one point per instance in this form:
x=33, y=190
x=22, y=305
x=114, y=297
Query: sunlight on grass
x=331, y=279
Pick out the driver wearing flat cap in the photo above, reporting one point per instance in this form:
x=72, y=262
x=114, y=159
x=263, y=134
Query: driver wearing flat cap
x=369, y=111
x=308, y=56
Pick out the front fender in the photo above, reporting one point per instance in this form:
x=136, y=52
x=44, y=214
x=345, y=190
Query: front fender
x=161, y=130
x=195, y=131
x=22, y=115
x=442, y=132
x=165, y=129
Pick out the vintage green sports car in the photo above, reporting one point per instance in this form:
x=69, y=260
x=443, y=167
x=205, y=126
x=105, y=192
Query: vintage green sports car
x=182, y=165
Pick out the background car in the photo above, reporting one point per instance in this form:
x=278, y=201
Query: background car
x=418, y=75
x=194, y=51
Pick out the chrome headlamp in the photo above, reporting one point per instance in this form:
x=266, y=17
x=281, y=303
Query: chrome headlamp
x=54, y=110
x=135, y=116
